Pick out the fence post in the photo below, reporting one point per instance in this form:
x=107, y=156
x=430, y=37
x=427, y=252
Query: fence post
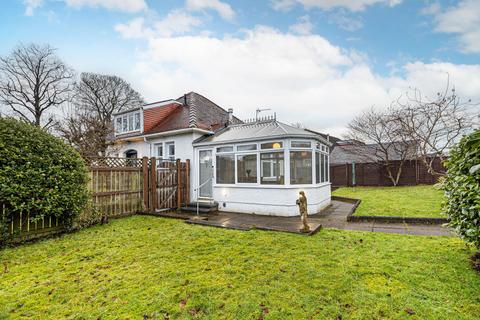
x=187, y=181
x=179, y=184
x=145, y=183
x=153, y=183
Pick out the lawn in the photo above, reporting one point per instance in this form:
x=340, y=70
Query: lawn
x=411, y=201
x=148, y=267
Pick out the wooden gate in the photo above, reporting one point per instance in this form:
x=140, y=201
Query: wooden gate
x=169, y=183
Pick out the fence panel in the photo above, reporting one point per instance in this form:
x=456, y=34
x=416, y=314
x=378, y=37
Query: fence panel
x=119, y=187
x=375, y=174
x=116, y=185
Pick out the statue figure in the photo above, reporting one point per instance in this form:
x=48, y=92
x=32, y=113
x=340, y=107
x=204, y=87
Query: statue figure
x=302, y=206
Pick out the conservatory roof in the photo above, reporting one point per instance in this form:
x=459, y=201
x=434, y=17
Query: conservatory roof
x=255, y=131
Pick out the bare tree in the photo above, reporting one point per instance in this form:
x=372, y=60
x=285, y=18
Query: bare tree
x=386, y=142
x=97, y=97
x=104, y=95
x=32, y=81
x=85, y=132
x=437, y=124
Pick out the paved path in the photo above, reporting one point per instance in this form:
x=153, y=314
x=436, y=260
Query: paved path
x=336, y=217
x=333, y=217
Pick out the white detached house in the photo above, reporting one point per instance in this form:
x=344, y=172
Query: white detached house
x=256, y=167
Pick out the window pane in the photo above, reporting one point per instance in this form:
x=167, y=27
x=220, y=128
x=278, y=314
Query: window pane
x=247, y=147
x=272, y=145
x=137, y=121
x=170, y=146
x=130, y=122
x=159, y=150
x=323, y=167
x=272, y=166
x=317, y=166
x=327, y=169
x=300, y=167
x=225, y=149
x=125, y=123
x=119, y=124
x=225, y=169
x=301, y=144
x=247, y=168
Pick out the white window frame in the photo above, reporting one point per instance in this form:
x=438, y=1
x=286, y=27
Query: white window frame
x=166, y=150
x=128, y=121
x=242, y=154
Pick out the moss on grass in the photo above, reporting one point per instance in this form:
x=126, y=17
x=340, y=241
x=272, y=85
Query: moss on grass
x=411, y=201
x=147, y=266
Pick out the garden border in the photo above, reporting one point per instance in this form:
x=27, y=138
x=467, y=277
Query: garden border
x=384, y=219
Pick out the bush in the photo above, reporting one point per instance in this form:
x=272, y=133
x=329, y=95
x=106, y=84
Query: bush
x=462, y=188
x=39, y=174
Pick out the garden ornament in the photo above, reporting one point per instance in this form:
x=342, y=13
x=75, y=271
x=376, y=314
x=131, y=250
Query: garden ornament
x=302, y=206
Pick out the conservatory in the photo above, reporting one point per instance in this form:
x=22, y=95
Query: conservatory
x=260, y=167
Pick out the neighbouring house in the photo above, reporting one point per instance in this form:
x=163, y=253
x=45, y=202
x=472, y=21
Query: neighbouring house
x=253, y=167
x=353, y=163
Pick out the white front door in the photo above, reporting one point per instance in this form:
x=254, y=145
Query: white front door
x=205, y=173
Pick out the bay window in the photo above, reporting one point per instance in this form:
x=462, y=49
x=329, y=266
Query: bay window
x=318, y=161
x=247, y=168
x=272, y=168
x=300, y=167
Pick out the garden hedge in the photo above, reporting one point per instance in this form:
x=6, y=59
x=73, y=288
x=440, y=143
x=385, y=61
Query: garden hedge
x=462, y=188
x=39, y=174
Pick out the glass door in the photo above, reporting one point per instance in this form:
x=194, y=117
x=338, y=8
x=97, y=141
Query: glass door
x=206, y=173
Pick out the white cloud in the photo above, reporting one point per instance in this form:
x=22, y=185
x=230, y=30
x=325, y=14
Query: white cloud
x=345, y=21
x=463, y=20
x=175, y=22
x=223, y=9
x=352, y=5
x=31, y=5
x=304, y=26
x=117, y=5
x=304, y=78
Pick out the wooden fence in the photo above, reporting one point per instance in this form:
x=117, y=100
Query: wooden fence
x=119, y=187
x=375, y=174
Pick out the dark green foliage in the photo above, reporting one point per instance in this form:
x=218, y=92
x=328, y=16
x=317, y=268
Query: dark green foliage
x=39, y=174
x=462, y=188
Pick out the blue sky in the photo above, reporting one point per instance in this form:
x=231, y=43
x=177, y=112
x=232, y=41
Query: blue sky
x=326, y=59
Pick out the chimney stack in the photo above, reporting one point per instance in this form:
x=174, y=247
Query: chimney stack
x=230, y=115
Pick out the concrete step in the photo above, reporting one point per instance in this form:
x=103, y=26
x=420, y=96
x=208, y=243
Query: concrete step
x=203, y=207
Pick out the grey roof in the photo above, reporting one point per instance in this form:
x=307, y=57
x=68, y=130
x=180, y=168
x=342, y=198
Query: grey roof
x=258, y=131
x=348, y=152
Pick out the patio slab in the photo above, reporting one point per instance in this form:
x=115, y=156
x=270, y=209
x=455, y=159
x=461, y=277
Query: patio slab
x=334, y=216
x=242, y=221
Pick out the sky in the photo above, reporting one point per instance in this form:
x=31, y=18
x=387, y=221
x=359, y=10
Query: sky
x=314, y=62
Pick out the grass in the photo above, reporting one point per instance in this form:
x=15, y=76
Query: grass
x=411, y=201
x=159, y=268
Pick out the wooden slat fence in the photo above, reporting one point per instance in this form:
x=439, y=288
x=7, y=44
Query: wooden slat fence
x=119, y=187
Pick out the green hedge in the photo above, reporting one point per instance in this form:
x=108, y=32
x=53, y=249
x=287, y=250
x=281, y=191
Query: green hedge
x=39, y=174
x=462, y=188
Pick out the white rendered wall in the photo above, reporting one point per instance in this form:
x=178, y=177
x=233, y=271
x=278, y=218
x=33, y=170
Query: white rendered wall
x=278, y=201
x=183, y=146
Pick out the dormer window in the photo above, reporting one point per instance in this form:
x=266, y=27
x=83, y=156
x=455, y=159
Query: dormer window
x=129, y=122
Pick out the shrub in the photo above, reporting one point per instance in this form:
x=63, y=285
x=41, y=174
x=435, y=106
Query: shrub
x=39, y=174
x=462, y=188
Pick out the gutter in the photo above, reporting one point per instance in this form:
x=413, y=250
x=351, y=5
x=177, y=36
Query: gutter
x=283, y=136
x=175, y=132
